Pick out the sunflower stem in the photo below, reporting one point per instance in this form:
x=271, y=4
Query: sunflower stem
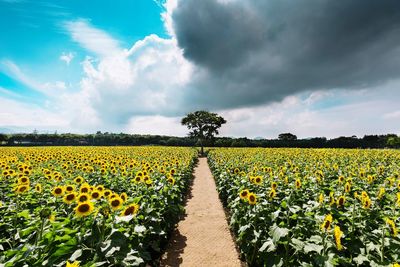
x=382, y=243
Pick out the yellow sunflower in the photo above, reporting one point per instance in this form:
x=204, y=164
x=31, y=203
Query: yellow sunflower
x=58, y=191
x=116, y=203
x=79, y=180
x=131, y=209
x=124, y=196
x=96, y=194
x=23, y=180
x=73, y=264
x=244, y=193
x=69, y=197
x=171, y=180
x=69, y=188
x=338, y=235
x=340, y=201
x=326, y=225
x=83, y=197
x=38, y=188
x=258, y=180
x=298, y=183
x=252, y=198
x=84, y=209
x=22, y=189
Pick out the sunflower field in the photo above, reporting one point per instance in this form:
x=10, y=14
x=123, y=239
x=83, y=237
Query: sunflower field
x=311, y=207
x=85, y=206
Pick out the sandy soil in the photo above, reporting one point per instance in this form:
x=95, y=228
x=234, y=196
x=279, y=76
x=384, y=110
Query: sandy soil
x=202, y=238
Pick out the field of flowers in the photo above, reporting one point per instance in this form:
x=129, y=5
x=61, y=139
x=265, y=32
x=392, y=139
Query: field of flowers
x=104, y=206
x=312, y=207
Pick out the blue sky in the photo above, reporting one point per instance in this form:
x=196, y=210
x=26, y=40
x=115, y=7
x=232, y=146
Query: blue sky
x=34, y=35
x=138, y=66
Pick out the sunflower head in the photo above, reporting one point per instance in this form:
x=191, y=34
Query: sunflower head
x=340, y=201
x=131, y=209
x=79, y=180
x=116, y=203
x=171, y=180
x=252, y=198
x=69, y=197
x=22, y=189
x=69, y=188
x=58, y=191
x=243, y=194
x=38, y=188
x=84, y=209
x=83, y=197
x=258, y=180
x=96, y=194
x=272, y=193
x=124, y=196
x=23, y=180
x=298, y=183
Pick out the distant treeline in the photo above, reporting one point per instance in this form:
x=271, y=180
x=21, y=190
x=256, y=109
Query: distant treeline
x=121, y=139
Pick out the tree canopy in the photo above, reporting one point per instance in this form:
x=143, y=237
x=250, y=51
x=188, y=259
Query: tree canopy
x=203, y=125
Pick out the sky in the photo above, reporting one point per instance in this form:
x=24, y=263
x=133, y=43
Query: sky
x=313, y=68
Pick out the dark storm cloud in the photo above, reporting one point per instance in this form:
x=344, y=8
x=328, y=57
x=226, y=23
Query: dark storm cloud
x=257, y=51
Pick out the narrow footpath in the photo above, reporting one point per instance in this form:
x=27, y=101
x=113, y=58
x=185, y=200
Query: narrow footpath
x=202, y=238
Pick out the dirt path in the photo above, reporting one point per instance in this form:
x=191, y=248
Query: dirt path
x=202, y=238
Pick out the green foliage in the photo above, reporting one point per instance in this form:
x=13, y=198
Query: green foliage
x=286, y=229
x=40, y=229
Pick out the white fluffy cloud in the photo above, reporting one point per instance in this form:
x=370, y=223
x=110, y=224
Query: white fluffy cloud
x=67, y=57
x=91, y=38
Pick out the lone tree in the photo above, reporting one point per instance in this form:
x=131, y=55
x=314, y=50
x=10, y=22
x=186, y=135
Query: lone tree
x=287, y=137
x=203, y=125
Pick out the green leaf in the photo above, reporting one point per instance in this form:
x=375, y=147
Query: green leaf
x=360, y=259
x=277, y=232
x=76, y=255
x=297, y=244
x=25, y=214
x=309, y=247
x=268, y=245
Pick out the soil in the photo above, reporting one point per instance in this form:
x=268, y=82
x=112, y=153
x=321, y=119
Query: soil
x=202, y=237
